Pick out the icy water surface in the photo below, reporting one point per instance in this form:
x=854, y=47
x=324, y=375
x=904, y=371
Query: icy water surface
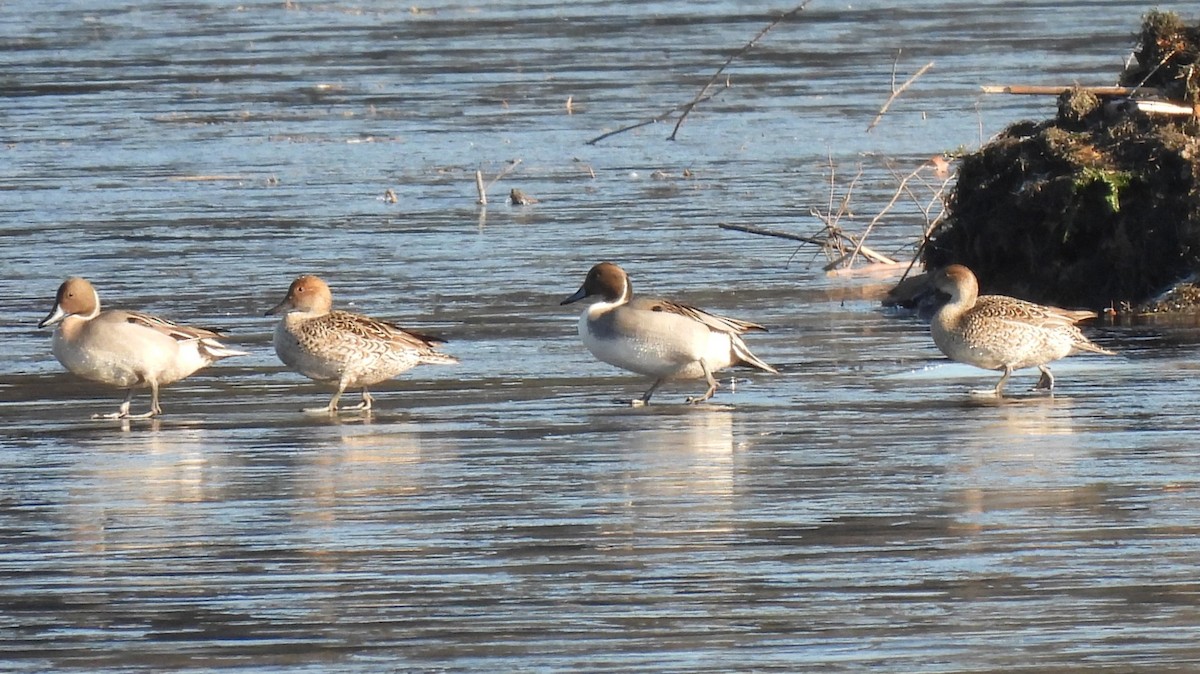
x=858, y=512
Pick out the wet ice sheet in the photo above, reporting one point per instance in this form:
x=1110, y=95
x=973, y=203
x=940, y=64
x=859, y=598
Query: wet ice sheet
x=859, y=511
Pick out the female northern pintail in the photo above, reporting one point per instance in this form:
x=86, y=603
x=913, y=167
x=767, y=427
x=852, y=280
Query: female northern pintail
x=995, y=332
x=656, y=337
x=126, y=349
x=350, y=350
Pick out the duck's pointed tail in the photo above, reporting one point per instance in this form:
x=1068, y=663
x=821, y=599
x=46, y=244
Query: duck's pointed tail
x=747, y=358
x=438, y=358
x=214, y=350
x=1087, y=345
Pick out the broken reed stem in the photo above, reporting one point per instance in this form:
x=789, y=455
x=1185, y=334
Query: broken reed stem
x=896, y=92
x=687, y=108
x=482, y=189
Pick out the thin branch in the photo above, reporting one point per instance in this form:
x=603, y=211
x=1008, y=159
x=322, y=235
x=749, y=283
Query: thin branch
x=761, y=231
x=896, y=93
x=844, y=206
x=847, y=259
x=704, y=94
x=930, y=226
x=647, y=122
x=505, y=171
x=750, y=229
x=895, y=197
x=687, y=109
x=834, y=244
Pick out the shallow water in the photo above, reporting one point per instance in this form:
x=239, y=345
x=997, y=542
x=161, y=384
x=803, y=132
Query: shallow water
x=860, y=511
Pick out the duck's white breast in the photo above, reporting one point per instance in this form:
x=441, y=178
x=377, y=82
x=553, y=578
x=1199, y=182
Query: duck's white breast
x=114, y=351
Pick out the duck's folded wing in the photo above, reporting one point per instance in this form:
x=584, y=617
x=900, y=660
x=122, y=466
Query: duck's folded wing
x=1009, y=308
x=170, y=328
x=713, y=321
x=375, y=329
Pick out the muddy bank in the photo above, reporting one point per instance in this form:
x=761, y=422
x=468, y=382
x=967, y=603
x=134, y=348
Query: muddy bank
x=1098, y=207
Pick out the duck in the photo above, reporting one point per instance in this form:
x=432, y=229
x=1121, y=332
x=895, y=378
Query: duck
x=126, y=349
x=346, y=349
x=996, y=332
x=656, y=337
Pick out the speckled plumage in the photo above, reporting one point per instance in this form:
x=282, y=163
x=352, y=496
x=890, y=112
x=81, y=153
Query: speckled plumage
x=126, y=349
x=350, y=350
x=656, y=337
x=995, y=332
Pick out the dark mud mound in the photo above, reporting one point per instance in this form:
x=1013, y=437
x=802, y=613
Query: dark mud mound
x=1098, y=207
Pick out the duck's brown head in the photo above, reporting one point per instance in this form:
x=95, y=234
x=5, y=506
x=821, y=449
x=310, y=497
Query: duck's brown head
x=307, y=294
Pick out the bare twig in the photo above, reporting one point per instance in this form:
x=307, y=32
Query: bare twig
x=1055, y=90
x=687, y=109
x=930, y=223
x=1162, y=62
x=761, y=231
x=842, y=249
x=512, y=166
x=647, y=122
x=704, y=94
x=903, y=188
x=836, y=240
x=847, y=259
x=896, y=92
x=482, y=200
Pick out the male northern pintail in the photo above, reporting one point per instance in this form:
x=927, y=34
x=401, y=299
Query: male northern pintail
x=995, y=332
x=126, y=349
x=350, y=350
x=656, y=337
